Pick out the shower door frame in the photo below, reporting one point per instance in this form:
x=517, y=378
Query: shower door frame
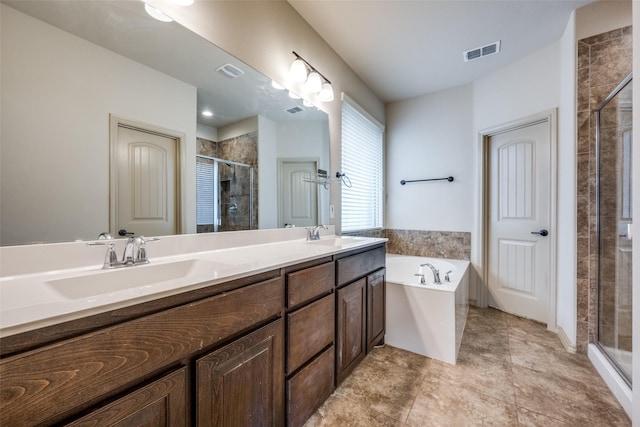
x=613, y=362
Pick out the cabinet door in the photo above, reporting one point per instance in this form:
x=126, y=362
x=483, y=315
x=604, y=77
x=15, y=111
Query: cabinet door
x=161, y=403
x=351, y=339
x=242, y=383
x=376, y=289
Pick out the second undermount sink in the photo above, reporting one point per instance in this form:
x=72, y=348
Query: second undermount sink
x=107, y=281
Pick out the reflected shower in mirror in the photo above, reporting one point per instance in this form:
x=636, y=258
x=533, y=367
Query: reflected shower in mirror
x=614, y=127
x=69, y=68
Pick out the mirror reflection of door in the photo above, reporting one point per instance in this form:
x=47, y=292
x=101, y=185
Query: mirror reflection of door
x=298, y=199
x=145, y=189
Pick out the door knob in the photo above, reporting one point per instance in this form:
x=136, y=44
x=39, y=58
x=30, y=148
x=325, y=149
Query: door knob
x=124, y=232
x=542, y=232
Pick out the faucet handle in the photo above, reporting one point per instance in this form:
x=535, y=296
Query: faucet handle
x=110, y=259
x=141, y=253
x=447, y=277
x=422, y=280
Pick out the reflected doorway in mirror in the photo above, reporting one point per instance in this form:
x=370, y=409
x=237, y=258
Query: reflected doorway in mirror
x=145, y=178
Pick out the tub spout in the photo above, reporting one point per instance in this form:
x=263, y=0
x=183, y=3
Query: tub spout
x=436, y=273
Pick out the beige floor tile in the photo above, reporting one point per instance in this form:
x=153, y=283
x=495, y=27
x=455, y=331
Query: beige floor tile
x=509, y=372
x=386, y=387
x=478, y=374
x=339, y=411
x=459, y=406
x=528, y=418
x=566, y=399
x=541, y=358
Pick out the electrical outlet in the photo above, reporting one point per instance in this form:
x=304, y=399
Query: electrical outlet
x=332, y=211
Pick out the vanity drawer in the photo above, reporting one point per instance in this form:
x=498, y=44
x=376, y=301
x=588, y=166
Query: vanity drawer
x=309, y=388
x=309, y=330
x=306, y=284
x=51, y=383
x=356, y=266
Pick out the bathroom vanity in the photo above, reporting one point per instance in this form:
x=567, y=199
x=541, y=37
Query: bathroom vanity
x=262, y=347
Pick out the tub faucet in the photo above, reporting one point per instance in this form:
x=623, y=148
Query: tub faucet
x=436, y=273
x=312, y=232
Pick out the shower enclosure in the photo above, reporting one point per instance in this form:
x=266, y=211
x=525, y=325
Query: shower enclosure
x=224, y=195
x=615, y=226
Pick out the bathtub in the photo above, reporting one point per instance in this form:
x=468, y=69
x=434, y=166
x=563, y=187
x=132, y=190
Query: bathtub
x=426, y=319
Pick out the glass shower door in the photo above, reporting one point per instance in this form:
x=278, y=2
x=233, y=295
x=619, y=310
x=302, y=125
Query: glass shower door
x=224, y=195
x=615, y=226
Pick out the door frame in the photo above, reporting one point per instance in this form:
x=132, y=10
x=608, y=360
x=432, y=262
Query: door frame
x=482, y=248
x=281, y=161
x=180, y=137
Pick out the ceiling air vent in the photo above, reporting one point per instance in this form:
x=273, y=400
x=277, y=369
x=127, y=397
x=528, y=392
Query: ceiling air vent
x=481, y=52
x=294, y=110
x=230, y=71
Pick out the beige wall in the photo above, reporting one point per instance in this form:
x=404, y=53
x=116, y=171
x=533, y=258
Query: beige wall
x=263, y=34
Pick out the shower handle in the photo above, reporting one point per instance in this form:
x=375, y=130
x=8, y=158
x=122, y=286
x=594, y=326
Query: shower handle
x=542, y=232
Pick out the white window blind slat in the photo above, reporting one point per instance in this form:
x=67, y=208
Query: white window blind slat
x=204, y=191
x=362, y=161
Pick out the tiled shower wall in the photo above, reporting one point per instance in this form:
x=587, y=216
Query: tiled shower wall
x=433, y=244
x=604, y=61
x=241, y=149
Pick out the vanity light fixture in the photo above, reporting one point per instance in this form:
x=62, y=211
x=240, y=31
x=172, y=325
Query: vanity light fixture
x=182, y=2
x=276, y=85
x=294, y=95
x=314, y=82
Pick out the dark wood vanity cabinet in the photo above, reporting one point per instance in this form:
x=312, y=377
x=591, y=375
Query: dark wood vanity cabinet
x=265, y=350
x=376, y=308
x=241, y=384
x=352, y=327
x=120, y=371
x=310, y=340
x=360, y=307
x=161, y=403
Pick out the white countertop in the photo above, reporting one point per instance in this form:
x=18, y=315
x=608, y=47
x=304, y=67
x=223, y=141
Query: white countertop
x=32, y=301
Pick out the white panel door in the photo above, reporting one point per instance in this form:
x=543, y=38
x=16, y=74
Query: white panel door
x=519, y=218
x=146, y=183
x=298, y=198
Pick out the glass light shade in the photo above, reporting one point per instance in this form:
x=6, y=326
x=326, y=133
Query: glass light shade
x=298, y=71
x=326, y=94
x=307, y=103
x=156, y=14
x=314, y=83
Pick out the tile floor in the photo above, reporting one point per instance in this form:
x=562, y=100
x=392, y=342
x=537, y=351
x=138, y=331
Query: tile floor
x=510, y=372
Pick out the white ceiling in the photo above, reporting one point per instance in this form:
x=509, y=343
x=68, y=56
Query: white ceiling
x=402, y=49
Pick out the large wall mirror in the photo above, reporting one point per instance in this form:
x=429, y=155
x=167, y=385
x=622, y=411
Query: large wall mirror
x=97, y=95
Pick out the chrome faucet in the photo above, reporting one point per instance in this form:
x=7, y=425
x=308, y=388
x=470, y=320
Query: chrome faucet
x=436, y=273
x=135, y=251
x=313, y=232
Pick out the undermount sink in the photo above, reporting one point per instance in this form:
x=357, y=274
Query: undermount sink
x=107, y=281
x=339, y=241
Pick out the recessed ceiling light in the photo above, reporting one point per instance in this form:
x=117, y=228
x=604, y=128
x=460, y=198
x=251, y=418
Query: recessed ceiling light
x=156, y=14
x=207, y=113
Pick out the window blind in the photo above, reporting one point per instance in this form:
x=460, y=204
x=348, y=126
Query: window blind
x=204, y=191
x=363, y=163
